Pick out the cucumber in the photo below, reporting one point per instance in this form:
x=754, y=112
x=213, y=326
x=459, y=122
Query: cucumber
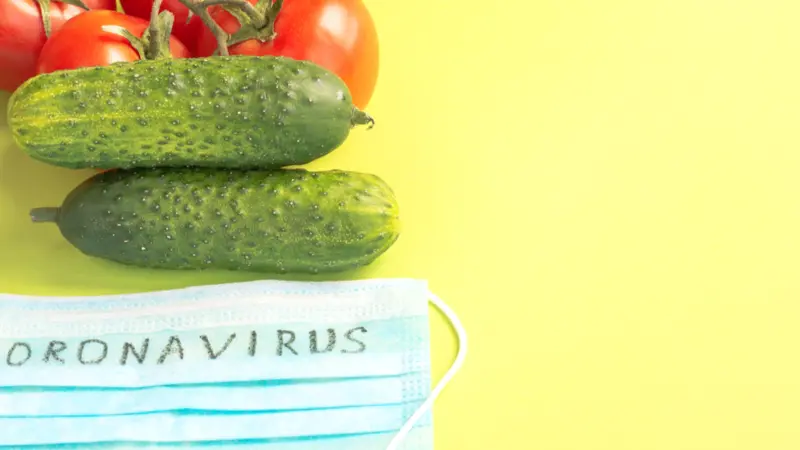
x=239, y=112
x=284, y=221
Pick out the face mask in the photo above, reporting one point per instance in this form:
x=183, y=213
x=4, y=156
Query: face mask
x=271, y=364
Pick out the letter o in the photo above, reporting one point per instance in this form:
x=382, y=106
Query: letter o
x=83, y=345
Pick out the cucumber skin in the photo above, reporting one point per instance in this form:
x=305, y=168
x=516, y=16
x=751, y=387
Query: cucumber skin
x=231, y=112
x=284, y=221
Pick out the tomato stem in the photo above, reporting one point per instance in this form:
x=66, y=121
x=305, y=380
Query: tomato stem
x=77, y=3
x=135, y=41
x=157, y=36
x=44, y=6
x=153, y=28
x=263, y=29
x=152, y=33
x=216, y=30
x=272, y=17
x=256, y=22
x=242, y=5
x=155, y=41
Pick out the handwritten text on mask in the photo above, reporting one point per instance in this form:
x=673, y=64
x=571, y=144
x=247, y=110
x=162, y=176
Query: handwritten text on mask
x=98, y=351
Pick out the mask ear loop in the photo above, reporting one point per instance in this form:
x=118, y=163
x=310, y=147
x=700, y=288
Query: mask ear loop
x=457, y=364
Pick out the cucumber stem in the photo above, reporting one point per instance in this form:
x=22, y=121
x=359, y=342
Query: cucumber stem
x=47, y=214
x=361, y=118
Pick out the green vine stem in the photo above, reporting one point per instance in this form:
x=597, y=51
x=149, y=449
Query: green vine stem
x=158, y=34
x=256, y=21
x=154, y=43
x=44, y=6
x=201, y=11
x=249, y=10
x=77, y=3
x=261, y=28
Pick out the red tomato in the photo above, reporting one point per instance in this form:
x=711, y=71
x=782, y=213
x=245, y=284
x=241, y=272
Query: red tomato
x=339, y=35
x=82, y=42
x=22, y=35
x=187, y=33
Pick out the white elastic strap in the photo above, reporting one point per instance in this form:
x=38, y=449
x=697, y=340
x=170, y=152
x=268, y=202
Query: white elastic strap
x=461, y=333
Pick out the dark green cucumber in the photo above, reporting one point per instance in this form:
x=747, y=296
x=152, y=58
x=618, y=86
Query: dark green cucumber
x=231, y=112
x=273, y=221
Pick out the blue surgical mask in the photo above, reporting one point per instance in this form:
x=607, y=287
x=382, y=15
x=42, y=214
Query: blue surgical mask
x=268, y=364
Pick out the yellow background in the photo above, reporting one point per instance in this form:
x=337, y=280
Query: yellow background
x=606, y=191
